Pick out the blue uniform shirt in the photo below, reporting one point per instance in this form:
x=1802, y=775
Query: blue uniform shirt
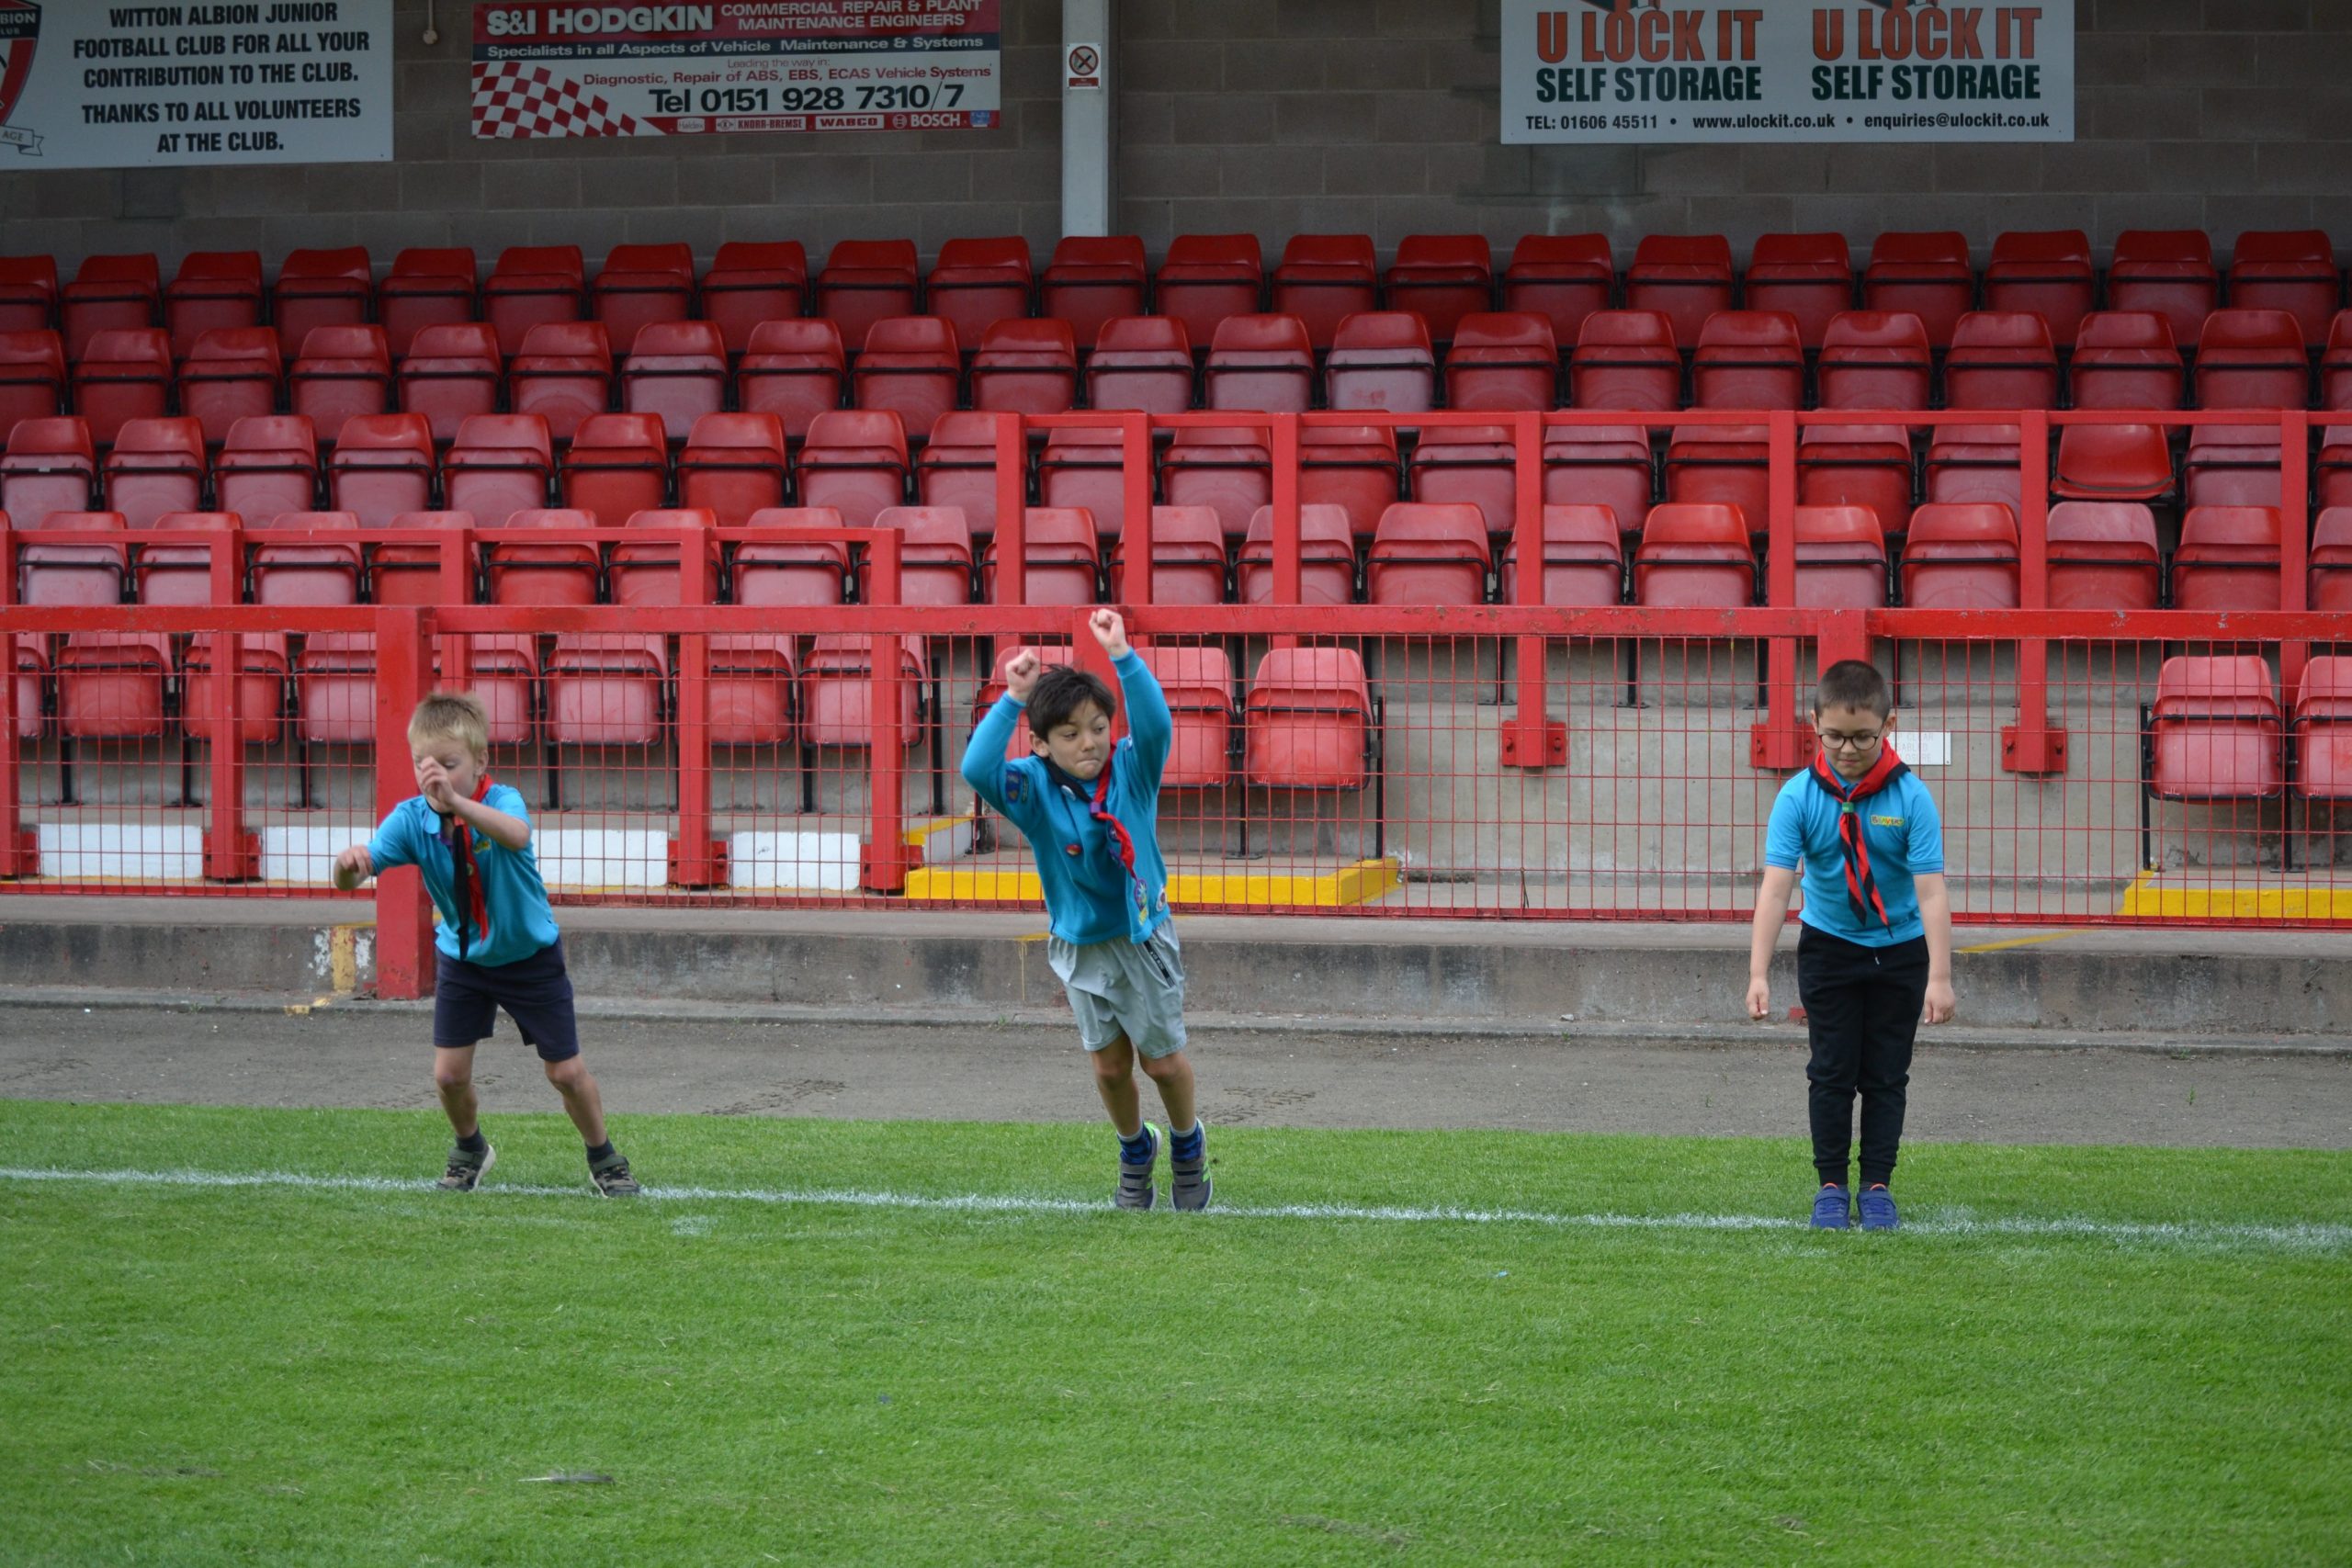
x=1906, y=838
x=513, y=901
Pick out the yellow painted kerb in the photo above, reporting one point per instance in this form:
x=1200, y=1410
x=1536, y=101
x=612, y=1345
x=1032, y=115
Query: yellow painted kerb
x=1344, y=887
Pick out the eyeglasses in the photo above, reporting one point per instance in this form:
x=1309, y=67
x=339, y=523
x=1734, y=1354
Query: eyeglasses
x=1837, y=742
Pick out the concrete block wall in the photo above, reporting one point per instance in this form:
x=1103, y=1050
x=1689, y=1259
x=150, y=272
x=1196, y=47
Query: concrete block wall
x=1280, y=116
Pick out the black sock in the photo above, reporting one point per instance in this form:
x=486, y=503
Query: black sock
x=473, y=1142
x=601, y=1153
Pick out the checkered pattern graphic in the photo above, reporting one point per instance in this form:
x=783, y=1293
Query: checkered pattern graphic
x=517, y=100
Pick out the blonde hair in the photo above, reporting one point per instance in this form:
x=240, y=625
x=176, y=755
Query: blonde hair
x=451, y=716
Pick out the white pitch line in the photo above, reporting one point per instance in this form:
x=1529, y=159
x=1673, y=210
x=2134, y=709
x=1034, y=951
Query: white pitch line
x=2309, y=1238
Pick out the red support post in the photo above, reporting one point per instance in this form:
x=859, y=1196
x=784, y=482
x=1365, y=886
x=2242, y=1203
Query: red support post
x=1530, y=740
x=404, y=960
x=1779, y=742
x=1011, y=512
x=231, y=854
x=887, y=861
x=2294, y=546
x=697, y=860
x=2033, y=745
x=19, y=845
x=1290, y=574
x=1133, y=586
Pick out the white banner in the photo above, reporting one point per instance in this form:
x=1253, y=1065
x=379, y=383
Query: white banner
x=553, y=68
x=89, y=85
x=1787, y=71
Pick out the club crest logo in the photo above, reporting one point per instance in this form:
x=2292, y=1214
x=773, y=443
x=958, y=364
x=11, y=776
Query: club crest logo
x=19, y=31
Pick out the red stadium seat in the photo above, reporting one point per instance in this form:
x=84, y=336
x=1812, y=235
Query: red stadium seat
x=427, y=288
x=109, y=294
x=345, y=373
x=957, y=469
x=1686, y=277
x=1062, y=561
x=1961, y=557
x=1470, y=464
x=1308, y=720
x=213, y=291
x=2001, y=359
x=335, y=686
x=563, y=374
x=504, y=674
x=411, y=574
x=1205, y=279
x=233, y=374
x=913, y=366
x=2125, y=359
x=642, y=285
x=264, y=665
x=1381, y=359
x=87, y=571
x=1694, y=556
x=1188, y=558
x=322, y=573
x=2103, y=555
x=2049, y=271
x=733, y=466
x=321, y=289
x=1809, y=276
x=979, y=283
x=1840, y=558
x=648, y=573
x=605, y=689
x=1443, y=277
x=182, y=574
x=750, y=689
x=782, y=573
x=616, y=466
x=2167, y=271
x=2232, y=465
x=934, y=556
x=2321, y=728
x=1600, y=465
x=534, y=285
x=2112, y=462
x=2334, y=469
x=837, y=692
x=1351, y=466
x=269, y=464
x=1326, y=556
x=793, y=370
x=32, y=674
x=2292, y=271
x=28, y=294
x=1502, y=361
x=2216, y=730
x=751, y=282
x=49, y=467
x=156, y=465
x=1198, y=683
x=1322, y=279
x=855, y=461
x=451, y=373
x=381, y=467
x=2329, y=579
x=2252, y=359
x=123, y=375
x=522, y=571
x=1626, y=359
x=1227, y=471
x=500, y=464
x=1858, y=464
x=1976, y=462
x=110, y=686
x=1093, y=279
x=32, y=377
x=1747, y=359
x=1562, y=278
x=1141, y=363
x=1082, y=468
x=1875, y=359
x=1584, y=560
x=1263, y=363
x=1926, y=274
x=1428, y=555
x=2228, y=560
x=677, y=371
x=1724, y=465
x=1026, y=366
x=865, y=281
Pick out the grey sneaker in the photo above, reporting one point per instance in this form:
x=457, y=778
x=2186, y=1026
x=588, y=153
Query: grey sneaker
x=1136, y=1189
x=612, y=1179
x=465, y=1171
x=1191, y=1185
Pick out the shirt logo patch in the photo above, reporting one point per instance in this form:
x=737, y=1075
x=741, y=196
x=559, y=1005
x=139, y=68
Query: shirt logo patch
x=1016, y=785
x=1886, y=821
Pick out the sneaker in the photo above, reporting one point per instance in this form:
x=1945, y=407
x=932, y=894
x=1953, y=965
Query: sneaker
x=1829, y=1208
x=612, y=1179
x=1878, y=1208
x=1136, y=1189
x=1191, y=1186
x=465, y=1171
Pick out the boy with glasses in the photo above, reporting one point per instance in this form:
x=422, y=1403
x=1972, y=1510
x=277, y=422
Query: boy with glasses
x=1875, y=954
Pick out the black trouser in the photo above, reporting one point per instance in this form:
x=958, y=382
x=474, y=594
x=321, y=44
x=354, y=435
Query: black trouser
x=1861, y=1006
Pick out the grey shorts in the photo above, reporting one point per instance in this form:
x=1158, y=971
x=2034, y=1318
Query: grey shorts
x=1121, y=987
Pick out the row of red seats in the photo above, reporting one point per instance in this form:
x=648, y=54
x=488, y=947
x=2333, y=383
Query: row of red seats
x=1321, y=278
x=2217, y=731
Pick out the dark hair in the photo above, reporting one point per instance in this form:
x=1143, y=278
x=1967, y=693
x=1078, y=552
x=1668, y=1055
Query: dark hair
x=1061, y=691
x=1853, y=683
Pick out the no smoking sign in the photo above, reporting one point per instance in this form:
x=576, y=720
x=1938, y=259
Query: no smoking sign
x=1083, y=67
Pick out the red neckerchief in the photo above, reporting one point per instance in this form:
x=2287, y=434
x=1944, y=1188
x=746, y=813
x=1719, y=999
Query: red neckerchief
x=465, y=874
x=1861, y=888
x=1121, y=844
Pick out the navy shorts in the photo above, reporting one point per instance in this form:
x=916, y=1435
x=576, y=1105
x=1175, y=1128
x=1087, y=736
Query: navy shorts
x=535, y=991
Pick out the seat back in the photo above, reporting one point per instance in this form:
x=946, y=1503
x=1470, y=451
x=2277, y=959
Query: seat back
x=1626, y=359
x=1925, y=273
x=1875, y=359
x=1092, y=279
x=2001, y=359
x=1308, y=720
x=1502, y=360
x=1260, y=362
x=794, y=369
x=1749, y=359
x=753, y=281
x=1562, y=278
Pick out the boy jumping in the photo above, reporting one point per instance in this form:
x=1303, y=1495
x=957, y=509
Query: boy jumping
x=498, y=944
x=1091, y=812
x=1874, y=955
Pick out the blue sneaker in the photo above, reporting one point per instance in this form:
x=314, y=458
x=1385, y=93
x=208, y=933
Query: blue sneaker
x=1137, y=1189
x=1878, y=1208
x=1829, y=1208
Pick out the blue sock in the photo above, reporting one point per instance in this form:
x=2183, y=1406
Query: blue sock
x=1137, y=1149
x=1186, y=1145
